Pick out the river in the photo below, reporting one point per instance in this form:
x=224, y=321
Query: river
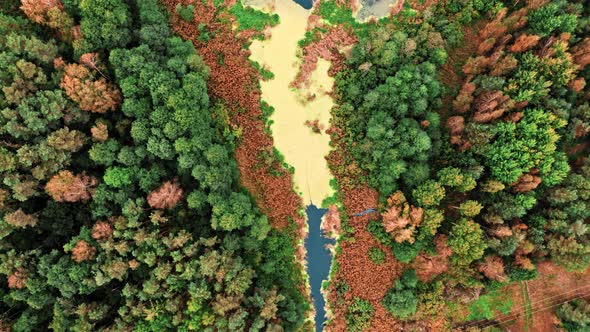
x=302, y=148
x=318, y=261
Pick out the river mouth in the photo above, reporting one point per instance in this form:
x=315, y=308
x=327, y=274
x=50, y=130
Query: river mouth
x=319, y=259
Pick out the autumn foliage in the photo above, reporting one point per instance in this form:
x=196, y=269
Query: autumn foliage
x=17, y=279
x=50, y=13
x=401, y=219
x=82, y=251
x=92, y=94
x=67, y=187
x=166, y=196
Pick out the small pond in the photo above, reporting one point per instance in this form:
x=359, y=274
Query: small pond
x=307, y=4
x=318, y=261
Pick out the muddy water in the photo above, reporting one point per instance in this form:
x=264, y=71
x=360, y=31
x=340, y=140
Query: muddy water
x=303, y=149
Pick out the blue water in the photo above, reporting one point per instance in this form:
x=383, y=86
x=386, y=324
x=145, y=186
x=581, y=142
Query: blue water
x=307, y=4
x=364, y=212
x=318, y=261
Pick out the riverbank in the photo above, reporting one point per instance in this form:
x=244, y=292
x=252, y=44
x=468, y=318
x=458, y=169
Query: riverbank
x=235, y=81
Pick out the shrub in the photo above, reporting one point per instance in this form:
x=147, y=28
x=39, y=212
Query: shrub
x=359, y=315
x=187, y=13
x=376, y=255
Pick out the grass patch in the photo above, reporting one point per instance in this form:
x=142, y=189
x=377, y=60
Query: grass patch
x=528, y=308
x=490, y=305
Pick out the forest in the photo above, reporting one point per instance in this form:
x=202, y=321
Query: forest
x=121, y=206
x=140, y=189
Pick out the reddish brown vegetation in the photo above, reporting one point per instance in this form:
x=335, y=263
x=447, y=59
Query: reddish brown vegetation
x=371, y=283
x=429, y=267
x=493, y=268
x=166, y=196
x=102, y=230
x=37, y=10
x=490, y=105
x=234, y=82
x=581, y=53
x=67, y=187
x=315, y=126
x=524, y=43
x=18, y=279
x=50, y=13
x=456, y=124
x=553, y=285
x=327, y=46
x=91, y=94
x=577, y=84
x=83, y=251
x=525, y=183
x=331, y=223
x=463, y=101
x=401, y=219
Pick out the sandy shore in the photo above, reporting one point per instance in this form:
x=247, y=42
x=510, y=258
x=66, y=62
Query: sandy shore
x=303, y=149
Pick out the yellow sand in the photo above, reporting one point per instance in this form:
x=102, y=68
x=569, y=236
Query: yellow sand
x=303, y=149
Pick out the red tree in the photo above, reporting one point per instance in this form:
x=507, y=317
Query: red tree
x=91, y=94
x=101, y=230
x=493, y=268
x=83, y=251
x=67, y=187
x=166, y=196
x=18, y=279
x=524, y=43
x=581, y=52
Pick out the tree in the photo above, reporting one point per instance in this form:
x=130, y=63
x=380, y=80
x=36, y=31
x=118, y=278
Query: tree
x=166, y=196
x=535, y=133
x=401, y=300
x=20, y=219
x=105, y=24
x=493, y=268
x=82, y=251
x=50, y=13
x=67, y=187
x=358, y=316
x=470, y=208
x=429, y=194
x=92, y=95
x=574, y=315
x=552, y=17
x=524, y=43
x=467, y=242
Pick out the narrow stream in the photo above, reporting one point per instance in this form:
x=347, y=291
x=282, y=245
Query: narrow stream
x=318, y=261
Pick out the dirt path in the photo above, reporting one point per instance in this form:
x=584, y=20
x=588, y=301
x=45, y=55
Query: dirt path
x=554, y=285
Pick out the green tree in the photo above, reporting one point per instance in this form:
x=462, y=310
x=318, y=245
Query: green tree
x=401, y=300
x=467, y=242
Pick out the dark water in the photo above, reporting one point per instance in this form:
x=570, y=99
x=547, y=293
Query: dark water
x=307, y=4
x=318, y=261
